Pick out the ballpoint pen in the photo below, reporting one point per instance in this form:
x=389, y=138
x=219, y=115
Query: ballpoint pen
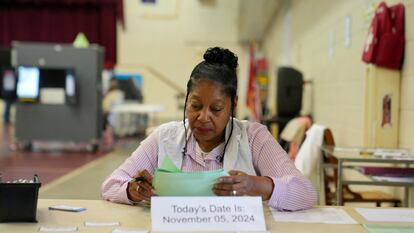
x=138, y=179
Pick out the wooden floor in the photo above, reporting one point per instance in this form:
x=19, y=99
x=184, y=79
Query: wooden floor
x=49, y=160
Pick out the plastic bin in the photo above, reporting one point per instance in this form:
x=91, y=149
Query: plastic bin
x=18, y=201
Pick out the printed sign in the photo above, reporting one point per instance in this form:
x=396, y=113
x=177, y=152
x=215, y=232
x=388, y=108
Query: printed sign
x=207, y=214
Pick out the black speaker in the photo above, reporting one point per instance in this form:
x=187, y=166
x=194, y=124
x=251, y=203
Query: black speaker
x=289, y=92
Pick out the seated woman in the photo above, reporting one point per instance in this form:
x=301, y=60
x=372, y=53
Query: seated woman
x=210, y=138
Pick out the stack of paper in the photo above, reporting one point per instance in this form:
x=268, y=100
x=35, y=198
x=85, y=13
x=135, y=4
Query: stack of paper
x=171, y=181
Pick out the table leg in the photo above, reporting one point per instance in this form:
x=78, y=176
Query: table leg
x=406, y=196
x=339, y=189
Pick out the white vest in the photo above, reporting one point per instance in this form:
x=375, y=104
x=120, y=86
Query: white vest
x=171, y=140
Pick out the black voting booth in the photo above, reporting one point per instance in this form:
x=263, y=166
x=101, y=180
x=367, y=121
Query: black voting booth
x=288, y=98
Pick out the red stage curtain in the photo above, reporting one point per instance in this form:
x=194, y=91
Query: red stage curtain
x=59, y=21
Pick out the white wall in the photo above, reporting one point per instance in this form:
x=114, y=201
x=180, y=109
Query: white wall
x=338, y=79
x=173, y=42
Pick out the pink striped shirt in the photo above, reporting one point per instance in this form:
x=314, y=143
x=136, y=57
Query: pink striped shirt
x=292, y=191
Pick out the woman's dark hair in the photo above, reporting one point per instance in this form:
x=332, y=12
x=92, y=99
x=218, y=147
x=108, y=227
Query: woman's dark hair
x=219, y=65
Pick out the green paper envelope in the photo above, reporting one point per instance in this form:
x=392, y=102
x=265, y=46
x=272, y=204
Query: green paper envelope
x=171, y=181
x=168, y=165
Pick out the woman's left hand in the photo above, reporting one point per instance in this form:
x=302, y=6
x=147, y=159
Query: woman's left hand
x=240, y=183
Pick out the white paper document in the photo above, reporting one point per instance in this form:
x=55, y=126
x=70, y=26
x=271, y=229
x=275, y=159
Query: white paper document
x=315, y=215
x=387, y=214
x=57, y=229
x=101, y=224
x=129, y=230
x=52, y=96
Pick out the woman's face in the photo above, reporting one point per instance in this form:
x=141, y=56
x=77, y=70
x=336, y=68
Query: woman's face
x=208, y=111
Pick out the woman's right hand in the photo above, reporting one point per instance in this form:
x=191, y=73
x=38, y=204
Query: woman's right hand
x=141, y=190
